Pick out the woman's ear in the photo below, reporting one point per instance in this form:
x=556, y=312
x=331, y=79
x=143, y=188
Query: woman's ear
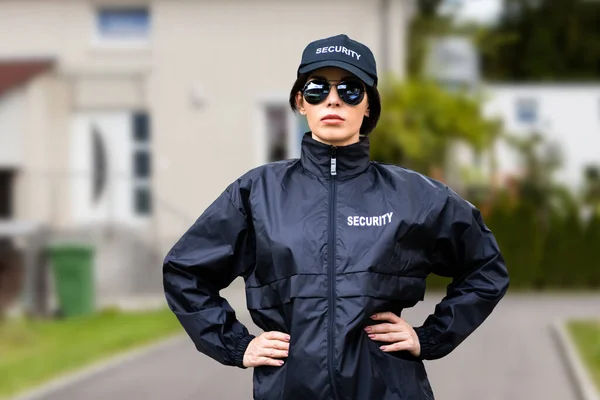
x=367, y=112
x=300, y=103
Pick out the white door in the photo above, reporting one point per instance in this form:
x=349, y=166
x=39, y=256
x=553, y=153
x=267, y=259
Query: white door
x=110, y=167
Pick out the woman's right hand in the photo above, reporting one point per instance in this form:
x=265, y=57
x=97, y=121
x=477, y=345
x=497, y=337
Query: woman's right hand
x=266, y=349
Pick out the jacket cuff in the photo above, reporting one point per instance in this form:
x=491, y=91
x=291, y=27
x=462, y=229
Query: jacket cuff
x=238, y=357
x=425, y=335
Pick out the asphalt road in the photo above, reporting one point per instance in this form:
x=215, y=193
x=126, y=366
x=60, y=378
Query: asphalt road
x=511, y=356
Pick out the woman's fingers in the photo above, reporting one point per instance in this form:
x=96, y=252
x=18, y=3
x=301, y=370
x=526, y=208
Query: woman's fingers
x=273, y=353
x=382, y=328
x=398, y=346
x=275, y=340
x=267, y=349
x=274, y=335
x=277, y=344
x=269, y=361
x=398, y=332
x=270, y=356
x=389, y=337
x=386, y=316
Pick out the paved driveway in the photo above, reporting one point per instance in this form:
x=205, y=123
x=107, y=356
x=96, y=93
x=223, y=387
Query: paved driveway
x=512, y=356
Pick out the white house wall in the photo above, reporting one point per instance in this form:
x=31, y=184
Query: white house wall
x=102, y=92
x=202, y=76
x=42, y=183
x=30, y=28
x=243, y=52
x=12, y=128
x=567, y=114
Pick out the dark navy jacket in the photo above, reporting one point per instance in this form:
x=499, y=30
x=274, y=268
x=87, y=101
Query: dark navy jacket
x=323, y=243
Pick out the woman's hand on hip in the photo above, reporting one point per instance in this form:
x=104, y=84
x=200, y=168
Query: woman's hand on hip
x=398, y=332
x=267, y=349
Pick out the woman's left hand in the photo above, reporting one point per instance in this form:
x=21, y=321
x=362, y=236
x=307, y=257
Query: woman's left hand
x=398, y=332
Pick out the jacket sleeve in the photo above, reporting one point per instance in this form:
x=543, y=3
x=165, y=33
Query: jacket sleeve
x=217, y=248
x=466, y=250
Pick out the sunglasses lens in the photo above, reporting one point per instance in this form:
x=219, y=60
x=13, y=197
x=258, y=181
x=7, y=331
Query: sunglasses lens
x=316, y=91
x=351, y=92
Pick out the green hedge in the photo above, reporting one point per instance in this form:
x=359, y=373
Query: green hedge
x=545, y=250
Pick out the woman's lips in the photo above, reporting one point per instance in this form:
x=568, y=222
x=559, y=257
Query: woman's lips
x=332, y=119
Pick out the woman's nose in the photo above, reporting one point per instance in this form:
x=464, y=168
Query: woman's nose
x=333, y=99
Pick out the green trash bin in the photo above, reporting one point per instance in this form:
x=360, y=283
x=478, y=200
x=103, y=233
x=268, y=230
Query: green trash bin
x=72, y=266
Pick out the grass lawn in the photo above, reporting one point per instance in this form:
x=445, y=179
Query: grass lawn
x=34, y=351
x=586, y=335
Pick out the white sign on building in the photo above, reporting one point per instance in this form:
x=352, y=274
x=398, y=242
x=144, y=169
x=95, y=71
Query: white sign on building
x=452, y=61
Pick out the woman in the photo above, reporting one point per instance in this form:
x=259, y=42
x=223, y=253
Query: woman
x=332, y=248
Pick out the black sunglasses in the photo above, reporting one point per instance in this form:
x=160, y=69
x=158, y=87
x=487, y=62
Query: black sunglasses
x=352, y=92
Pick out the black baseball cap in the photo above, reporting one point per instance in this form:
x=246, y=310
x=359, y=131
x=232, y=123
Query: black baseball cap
x=342, y=52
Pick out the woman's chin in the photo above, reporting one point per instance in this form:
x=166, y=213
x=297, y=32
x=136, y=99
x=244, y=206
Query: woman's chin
x=335, y=136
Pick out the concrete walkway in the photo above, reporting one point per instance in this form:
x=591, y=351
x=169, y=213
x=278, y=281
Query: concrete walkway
x=512, y=356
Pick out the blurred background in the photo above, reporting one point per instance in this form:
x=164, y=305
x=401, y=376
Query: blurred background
x=122, y=120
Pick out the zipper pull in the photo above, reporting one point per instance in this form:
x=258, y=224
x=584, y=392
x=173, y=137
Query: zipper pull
x=333, y=168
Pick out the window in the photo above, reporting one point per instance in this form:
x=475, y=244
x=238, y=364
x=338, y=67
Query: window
x=99, y=163
x=284, y=131
x=277, y=133
x=526, y=110
x=142, y=198
x=141, y=128
x=142, y=162
x=118, y=24
x=6, y=193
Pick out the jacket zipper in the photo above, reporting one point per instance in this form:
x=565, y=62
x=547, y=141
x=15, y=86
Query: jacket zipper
x=331, y=273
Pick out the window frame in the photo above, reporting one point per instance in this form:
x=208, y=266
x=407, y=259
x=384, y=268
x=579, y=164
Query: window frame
x=141, y=146
x=534, y=109
x=101, y=41
x=264, y=101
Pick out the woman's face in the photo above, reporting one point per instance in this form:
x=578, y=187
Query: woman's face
x=332, y=121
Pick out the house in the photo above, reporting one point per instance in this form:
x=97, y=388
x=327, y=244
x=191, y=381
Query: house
x=567, y=115
x=120, y=121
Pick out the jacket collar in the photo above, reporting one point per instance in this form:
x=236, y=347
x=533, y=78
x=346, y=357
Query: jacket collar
x=316, y=157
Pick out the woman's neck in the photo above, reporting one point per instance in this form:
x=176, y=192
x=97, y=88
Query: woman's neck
x=338, y=143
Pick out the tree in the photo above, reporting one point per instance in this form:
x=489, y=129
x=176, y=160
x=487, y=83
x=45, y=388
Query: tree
x=590, y=244
x=425, y=24
x=543, y=40
x=421, y=120
x=591, y=195
x=540, y=160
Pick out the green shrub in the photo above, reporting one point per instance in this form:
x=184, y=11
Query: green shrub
x=544, y=249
